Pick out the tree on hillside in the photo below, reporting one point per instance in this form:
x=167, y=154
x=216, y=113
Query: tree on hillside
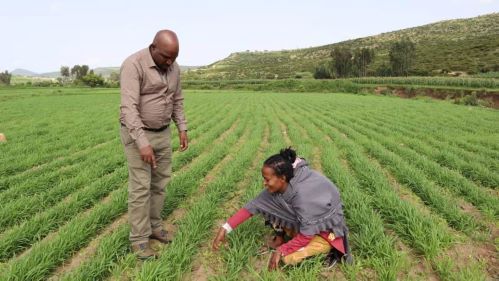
x=75, y=70
x=342, y=62
x=361, y=59
x=65, y=71
x=114, y=79
x=5, y=77
x=402, y=54
x=114, y=76
x=65, y=75
x=84, y=70
x=322, y=72
x=383, y=70
x=78, y=71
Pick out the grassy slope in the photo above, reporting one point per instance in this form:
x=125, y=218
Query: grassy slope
x=468, y=45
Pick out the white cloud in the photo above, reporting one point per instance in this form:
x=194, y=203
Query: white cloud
x=55, y=7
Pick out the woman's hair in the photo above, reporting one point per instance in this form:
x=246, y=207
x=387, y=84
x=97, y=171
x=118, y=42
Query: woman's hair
x=282, y=163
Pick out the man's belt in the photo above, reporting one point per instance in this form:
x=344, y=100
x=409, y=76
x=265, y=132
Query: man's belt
x=156, y=129
x=153, y=129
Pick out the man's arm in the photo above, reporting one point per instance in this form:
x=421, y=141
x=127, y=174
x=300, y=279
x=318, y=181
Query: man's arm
x=178, y=109
x=130, y=99
x=179, y=117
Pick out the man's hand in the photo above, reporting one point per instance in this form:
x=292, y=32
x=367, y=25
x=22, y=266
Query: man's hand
x=147, y=155
x=219, y=239
x=274, y=260
x=184, y=142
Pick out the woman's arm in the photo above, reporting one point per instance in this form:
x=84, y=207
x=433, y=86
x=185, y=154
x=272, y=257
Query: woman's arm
x=293, y=245
x=238, y=218
x=241, y=216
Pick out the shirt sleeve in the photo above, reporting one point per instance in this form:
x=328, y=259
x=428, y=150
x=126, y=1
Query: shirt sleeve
x=178, y=108
x=293, y=245
x=241, y=216
x=130, y=99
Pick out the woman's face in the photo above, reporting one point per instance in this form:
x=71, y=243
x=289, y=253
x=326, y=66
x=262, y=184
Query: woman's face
x=272, y=182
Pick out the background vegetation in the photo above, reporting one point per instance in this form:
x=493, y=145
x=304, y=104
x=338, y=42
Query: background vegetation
x=454, y=47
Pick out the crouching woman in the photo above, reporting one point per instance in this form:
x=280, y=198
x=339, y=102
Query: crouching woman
x=303, y=207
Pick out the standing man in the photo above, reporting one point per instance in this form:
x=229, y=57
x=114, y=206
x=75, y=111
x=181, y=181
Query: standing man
x=151, y=97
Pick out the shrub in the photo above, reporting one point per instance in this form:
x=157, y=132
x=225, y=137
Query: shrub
x=93, y=80
x=469, y=100
x=322, y=72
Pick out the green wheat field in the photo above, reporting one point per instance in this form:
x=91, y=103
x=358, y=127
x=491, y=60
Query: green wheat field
x=419, y=180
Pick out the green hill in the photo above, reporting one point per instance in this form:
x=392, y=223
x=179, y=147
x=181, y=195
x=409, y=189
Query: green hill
x=24, y=74
x=104, y=71
x=462, y=45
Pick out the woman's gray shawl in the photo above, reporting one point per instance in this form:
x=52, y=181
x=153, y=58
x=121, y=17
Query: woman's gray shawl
x=310, y=204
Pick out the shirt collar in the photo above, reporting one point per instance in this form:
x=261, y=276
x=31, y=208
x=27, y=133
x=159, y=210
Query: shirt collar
x=148, y=58
x=150, y=62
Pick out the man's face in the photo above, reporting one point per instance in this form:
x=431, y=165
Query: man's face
x=163, y=56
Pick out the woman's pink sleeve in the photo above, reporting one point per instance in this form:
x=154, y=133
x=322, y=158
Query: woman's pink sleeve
x=293, y=245
x=239, y=217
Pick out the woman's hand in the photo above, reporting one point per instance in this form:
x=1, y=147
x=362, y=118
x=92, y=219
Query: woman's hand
x=274, y=260
x=275, y=241
x=219, y=239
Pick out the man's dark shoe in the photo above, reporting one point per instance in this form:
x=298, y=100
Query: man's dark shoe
x=143, y=251
x=160, y=235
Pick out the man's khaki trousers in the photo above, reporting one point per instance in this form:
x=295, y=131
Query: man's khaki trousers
x=146, y=186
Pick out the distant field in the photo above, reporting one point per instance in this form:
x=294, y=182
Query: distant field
x=489, y=83
x=468, y=91
x=326, y=85
x=16, y=80
x=419, y=180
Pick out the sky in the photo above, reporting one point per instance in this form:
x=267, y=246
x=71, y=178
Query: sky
x=43, y=35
